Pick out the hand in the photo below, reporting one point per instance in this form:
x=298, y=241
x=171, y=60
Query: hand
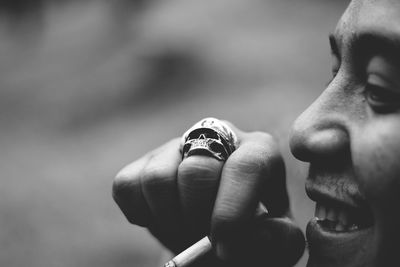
x=180, y=201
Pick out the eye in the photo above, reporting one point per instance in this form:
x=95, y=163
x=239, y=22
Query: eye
x=382, y=99
x=382, y=88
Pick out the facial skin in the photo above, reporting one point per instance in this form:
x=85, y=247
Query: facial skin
x=351, y=137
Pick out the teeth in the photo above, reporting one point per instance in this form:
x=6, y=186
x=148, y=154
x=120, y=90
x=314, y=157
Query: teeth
x=335, y=219
x=320, y=211
x=343, y=217
x=353, y=227
x=339, y=227
x=332, y=214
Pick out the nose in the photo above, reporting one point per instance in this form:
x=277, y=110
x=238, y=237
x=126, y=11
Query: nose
x=321, y=133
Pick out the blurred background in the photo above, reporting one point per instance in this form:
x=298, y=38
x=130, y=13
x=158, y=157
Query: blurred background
x=88, y=86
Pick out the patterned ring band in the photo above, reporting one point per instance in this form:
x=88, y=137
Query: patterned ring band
x=210, y=137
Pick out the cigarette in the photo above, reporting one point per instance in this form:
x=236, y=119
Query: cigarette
x=202, y=247
x=191, y=254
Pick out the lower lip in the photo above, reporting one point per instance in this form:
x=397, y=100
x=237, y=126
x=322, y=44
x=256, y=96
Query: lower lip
x=331, y=244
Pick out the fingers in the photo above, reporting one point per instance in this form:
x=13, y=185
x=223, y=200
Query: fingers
x=180, y=201
x=253, y=169
x=270, y=242
x=198, y=180
x=128, y=194
x=171, y=197
x=146, y=189
x=160, y=191
x=281, y=239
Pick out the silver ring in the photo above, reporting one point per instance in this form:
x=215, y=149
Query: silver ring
x=210, y=137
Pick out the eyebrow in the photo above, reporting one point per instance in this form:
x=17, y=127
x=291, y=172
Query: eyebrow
x=367, y=44
x=377, y=43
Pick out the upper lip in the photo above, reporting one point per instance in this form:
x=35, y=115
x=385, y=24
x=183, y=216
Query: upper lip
x=336, y=187
x=338, y=195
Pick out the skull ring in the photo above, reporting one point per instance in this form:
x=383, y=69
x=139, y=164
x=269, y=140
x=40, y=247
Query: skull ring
x=210, y=137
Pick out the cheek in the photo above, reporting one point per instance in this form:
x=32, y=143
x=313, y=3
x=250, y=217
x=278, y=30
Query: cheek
x=376, y=158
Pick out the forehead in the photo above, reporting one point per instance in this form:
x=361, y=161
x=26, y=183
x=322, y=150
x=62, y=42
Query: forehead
x=380, y=17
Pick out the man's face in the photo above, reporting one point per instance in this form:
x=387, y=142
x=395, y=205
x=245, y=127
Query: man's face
x=351, y=137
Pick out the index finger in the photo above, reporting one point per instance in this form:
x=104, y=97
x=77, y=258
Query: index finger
x=249, y=176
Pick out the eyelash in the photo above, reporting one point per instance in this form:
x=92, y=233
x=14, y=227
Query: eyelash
x=381, y=99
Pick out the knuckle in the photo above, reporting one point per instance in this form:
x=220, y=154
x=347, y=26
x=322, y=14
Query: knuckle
x=151, y=175
x=246, y=162
x=263, y=137
x=260, y=153
x=162, y=166
x=126, y=184
x=264, y=143
x=121, y=185
x=126, y=191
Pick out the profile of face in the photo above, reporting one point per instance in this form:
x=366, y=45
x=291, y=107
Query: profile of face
x=351, y=137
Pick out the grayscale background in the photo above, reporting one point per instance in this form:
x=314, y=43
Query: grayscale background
x=89, y=86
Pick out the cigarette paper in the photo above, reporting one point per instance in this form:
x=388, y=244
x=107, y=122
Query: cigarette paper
x=191, y=254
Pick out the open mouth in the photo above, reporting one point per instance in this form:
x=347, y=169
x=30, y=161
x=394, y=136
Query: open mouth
x=343, y=227
x=339, y=218
x=339, y=235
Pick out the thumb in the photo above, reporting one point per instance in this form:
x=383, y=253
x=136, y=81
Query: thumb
x=268, y=242
x=281, y=239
